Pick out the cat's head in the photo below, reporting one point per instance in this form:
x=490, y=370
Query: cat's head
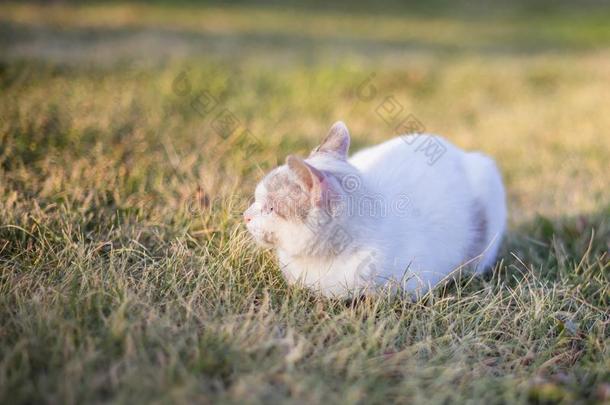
x=299, y=203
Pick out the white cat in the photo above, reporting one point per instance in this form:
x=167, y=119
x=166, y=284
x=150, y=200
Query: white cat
x=406, y=214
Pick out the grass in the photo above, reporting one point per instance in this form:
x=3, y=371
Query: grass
x=127, y=276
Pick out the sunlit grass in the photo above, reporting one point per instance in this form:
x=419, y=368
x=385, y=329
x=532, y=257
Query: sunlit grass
x=126, y=274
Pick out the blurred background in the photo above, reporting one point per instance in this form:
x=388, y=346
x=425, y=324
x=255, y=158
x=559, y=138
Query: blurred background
x=527, y=82
x=132, y=135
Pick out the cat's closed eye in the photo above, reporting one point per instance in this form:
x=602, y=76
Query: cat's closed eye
x=268, y=209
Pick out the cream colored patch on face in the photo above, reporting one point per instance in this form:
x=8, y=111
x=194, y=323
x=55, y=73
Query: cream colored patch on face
x=285, y=197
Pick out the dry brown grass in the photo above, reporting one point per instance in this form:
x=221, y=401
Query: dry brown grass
x=126, y=275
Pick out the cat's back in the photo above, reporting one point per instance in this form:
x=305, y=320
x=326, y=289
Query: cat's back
x=426, y=172
x=415, y=157
x=454, y=199
x=374, y=156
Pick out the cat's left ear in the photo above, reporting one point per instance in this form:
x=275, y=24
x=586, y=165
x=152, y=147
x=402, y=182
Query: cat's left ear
x=337, y=141
x=310, y=178
x=308, y=175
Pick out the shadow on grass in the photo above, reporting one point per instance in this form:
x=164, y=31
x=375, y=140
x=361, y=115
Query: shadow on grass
x=550, y=250
x=464, y=9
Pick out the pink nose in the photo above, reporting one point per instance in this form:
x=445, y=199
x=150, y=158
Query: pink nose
x=247, y=217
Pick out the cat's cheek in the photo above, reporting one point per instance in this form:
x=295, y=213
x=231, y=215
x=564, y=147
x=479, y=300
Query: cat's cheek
x=265, y=240
x=262, y=237
x=253, y=229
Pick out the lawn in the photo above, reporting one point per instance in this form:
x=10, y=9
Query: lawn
x=132, y=137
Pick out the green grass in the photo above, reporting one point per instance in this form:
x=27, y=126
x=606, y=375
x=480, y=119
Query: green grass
x=127, y=276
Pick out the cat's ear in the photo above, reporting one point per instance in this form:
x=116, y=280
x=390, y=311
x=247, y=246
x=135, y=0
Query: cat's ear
x=337, y=140
x=310, y=177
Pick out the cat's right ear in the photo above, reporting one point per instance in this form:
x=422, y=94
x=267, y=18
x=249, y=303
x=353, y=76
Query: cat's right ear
x=337, y=141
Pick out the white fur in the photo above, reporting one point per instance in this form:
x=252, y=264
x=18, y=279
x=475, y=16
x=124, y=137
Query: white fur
x=415, y=246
